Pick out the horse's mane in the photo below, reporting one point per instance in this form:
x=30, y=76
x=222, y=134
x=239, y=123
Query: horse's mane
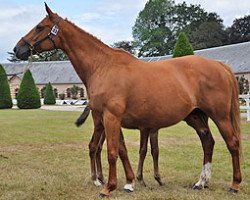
x=98, y=41
x=86, y=33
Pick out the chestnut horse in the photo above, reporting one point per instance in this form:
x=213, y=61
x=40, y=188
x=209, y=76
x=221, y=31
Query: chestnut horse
x=123, y=89
x=197, y=119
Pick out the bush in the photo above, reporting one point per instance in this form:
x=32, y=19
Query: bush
x=62, y=96
x=182, y=46
x=49, y=97
x=5, y=97
x=28, y=95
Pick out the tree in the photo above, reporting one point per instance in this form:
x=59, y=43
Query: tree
x=159, y=23
x=49, y=97
x=28, y=95
x=240, y=30
x=125, y=45
x=187, y=18
x=182, y=46
x=5, y=97
x=74, y=91
x=152, y=31
x=210, y=33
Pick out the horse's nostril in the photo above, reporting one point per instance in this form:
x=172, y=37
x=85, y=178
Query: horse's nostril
x=14, y=49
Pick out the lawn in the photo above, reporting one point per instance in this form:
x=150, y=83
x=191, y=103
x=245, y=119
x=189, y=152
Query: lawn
x=44, y=156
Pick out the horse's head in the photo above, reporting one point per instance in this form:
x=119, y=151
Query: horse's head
x=43, y=37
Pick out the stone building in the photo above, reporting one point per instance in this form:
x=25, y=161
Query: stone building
x=62, y=75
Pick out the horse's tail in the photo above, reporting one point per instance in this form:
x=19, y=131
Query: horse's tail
x=235, y=108
x=83, y=116
x=235, y=113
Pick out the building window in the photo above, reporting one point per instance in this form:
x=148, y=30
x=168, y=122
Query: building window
x=43, y=92
x=81, y=92
x=68, y=91
x=16, y=92
x=56, y=92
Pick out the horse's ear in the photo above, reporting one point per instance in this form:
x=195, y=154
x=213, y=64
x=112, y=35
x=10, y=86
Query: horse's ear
x=50, y=13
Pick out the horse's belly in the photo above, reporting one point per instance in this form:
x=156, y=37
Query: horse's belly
x=152, y=120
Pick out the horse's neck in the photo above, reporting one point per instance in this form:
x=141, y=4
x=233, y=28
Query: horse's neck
x=85, y=52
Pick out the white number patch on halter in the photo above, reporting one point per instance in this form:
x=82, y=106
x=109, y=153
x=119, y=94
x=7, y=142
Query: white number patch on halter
x=54, y=30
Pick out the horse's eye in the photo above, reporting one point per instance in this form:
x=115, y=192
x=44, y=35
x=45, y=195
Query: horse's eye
x=39, y=28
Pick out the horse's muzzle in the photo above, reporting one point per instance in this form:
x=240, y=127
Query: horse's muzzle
x=22, y=52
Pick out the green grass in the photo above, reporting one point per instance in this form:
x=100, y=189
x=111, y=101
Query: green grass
x=44, y=156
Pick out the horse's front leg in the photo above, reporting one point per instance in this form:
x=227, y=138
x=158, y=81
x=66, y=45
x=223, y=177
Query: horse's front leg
x=94, y=149
x=99, y=173
x=112, y=125
x=144, y=134
x=130, y=176
x=155, y=154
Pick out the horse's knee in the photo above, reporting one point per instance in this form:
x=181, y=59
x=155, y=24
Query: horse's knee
x=92, y=150
x=233, y=145
x=154, y=151
x=112, y=156
x=123, y=154
x=143, y=152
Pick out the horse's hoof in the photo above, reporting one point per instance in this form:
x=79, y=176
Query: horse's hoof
x=97, y=183
x=101, y=195
x=161, y=184
x=158, y=179
x=128, y=188
x=231, y=190
x=142, y=183
x=197, y=187
x=101, y=181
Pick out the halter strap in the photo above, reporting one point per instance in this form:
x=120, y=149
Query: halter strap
x=49, y=36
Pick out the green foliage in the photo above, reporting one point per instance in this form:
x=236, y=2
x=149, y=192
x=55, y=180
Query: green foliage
x=74, y=91
x=62, y=96
x=187, y=17
x=28, y=95
x=5, y=97
x=243, y=84
x=182, y=46
x=151, y=32
x=49, y=97
x=240, y=30
x=210, y=33
x=125, y=45
x=160, y=22
x=54, y=55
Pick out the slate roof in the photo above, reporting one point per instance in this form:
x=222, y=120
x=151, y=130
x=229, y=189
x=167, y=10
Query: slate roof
x=237, y=56
x=59, y=72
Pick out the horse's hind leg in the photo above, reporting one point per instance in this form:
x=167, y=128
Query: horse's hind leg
x=233, y=145
x=208, y=146
x=155, y=155
x=99, y=173
x=144, y=134
x=199, y=121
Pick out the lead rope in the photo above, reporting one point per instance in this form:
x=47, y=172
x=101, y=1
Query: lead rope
x=29, y=61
